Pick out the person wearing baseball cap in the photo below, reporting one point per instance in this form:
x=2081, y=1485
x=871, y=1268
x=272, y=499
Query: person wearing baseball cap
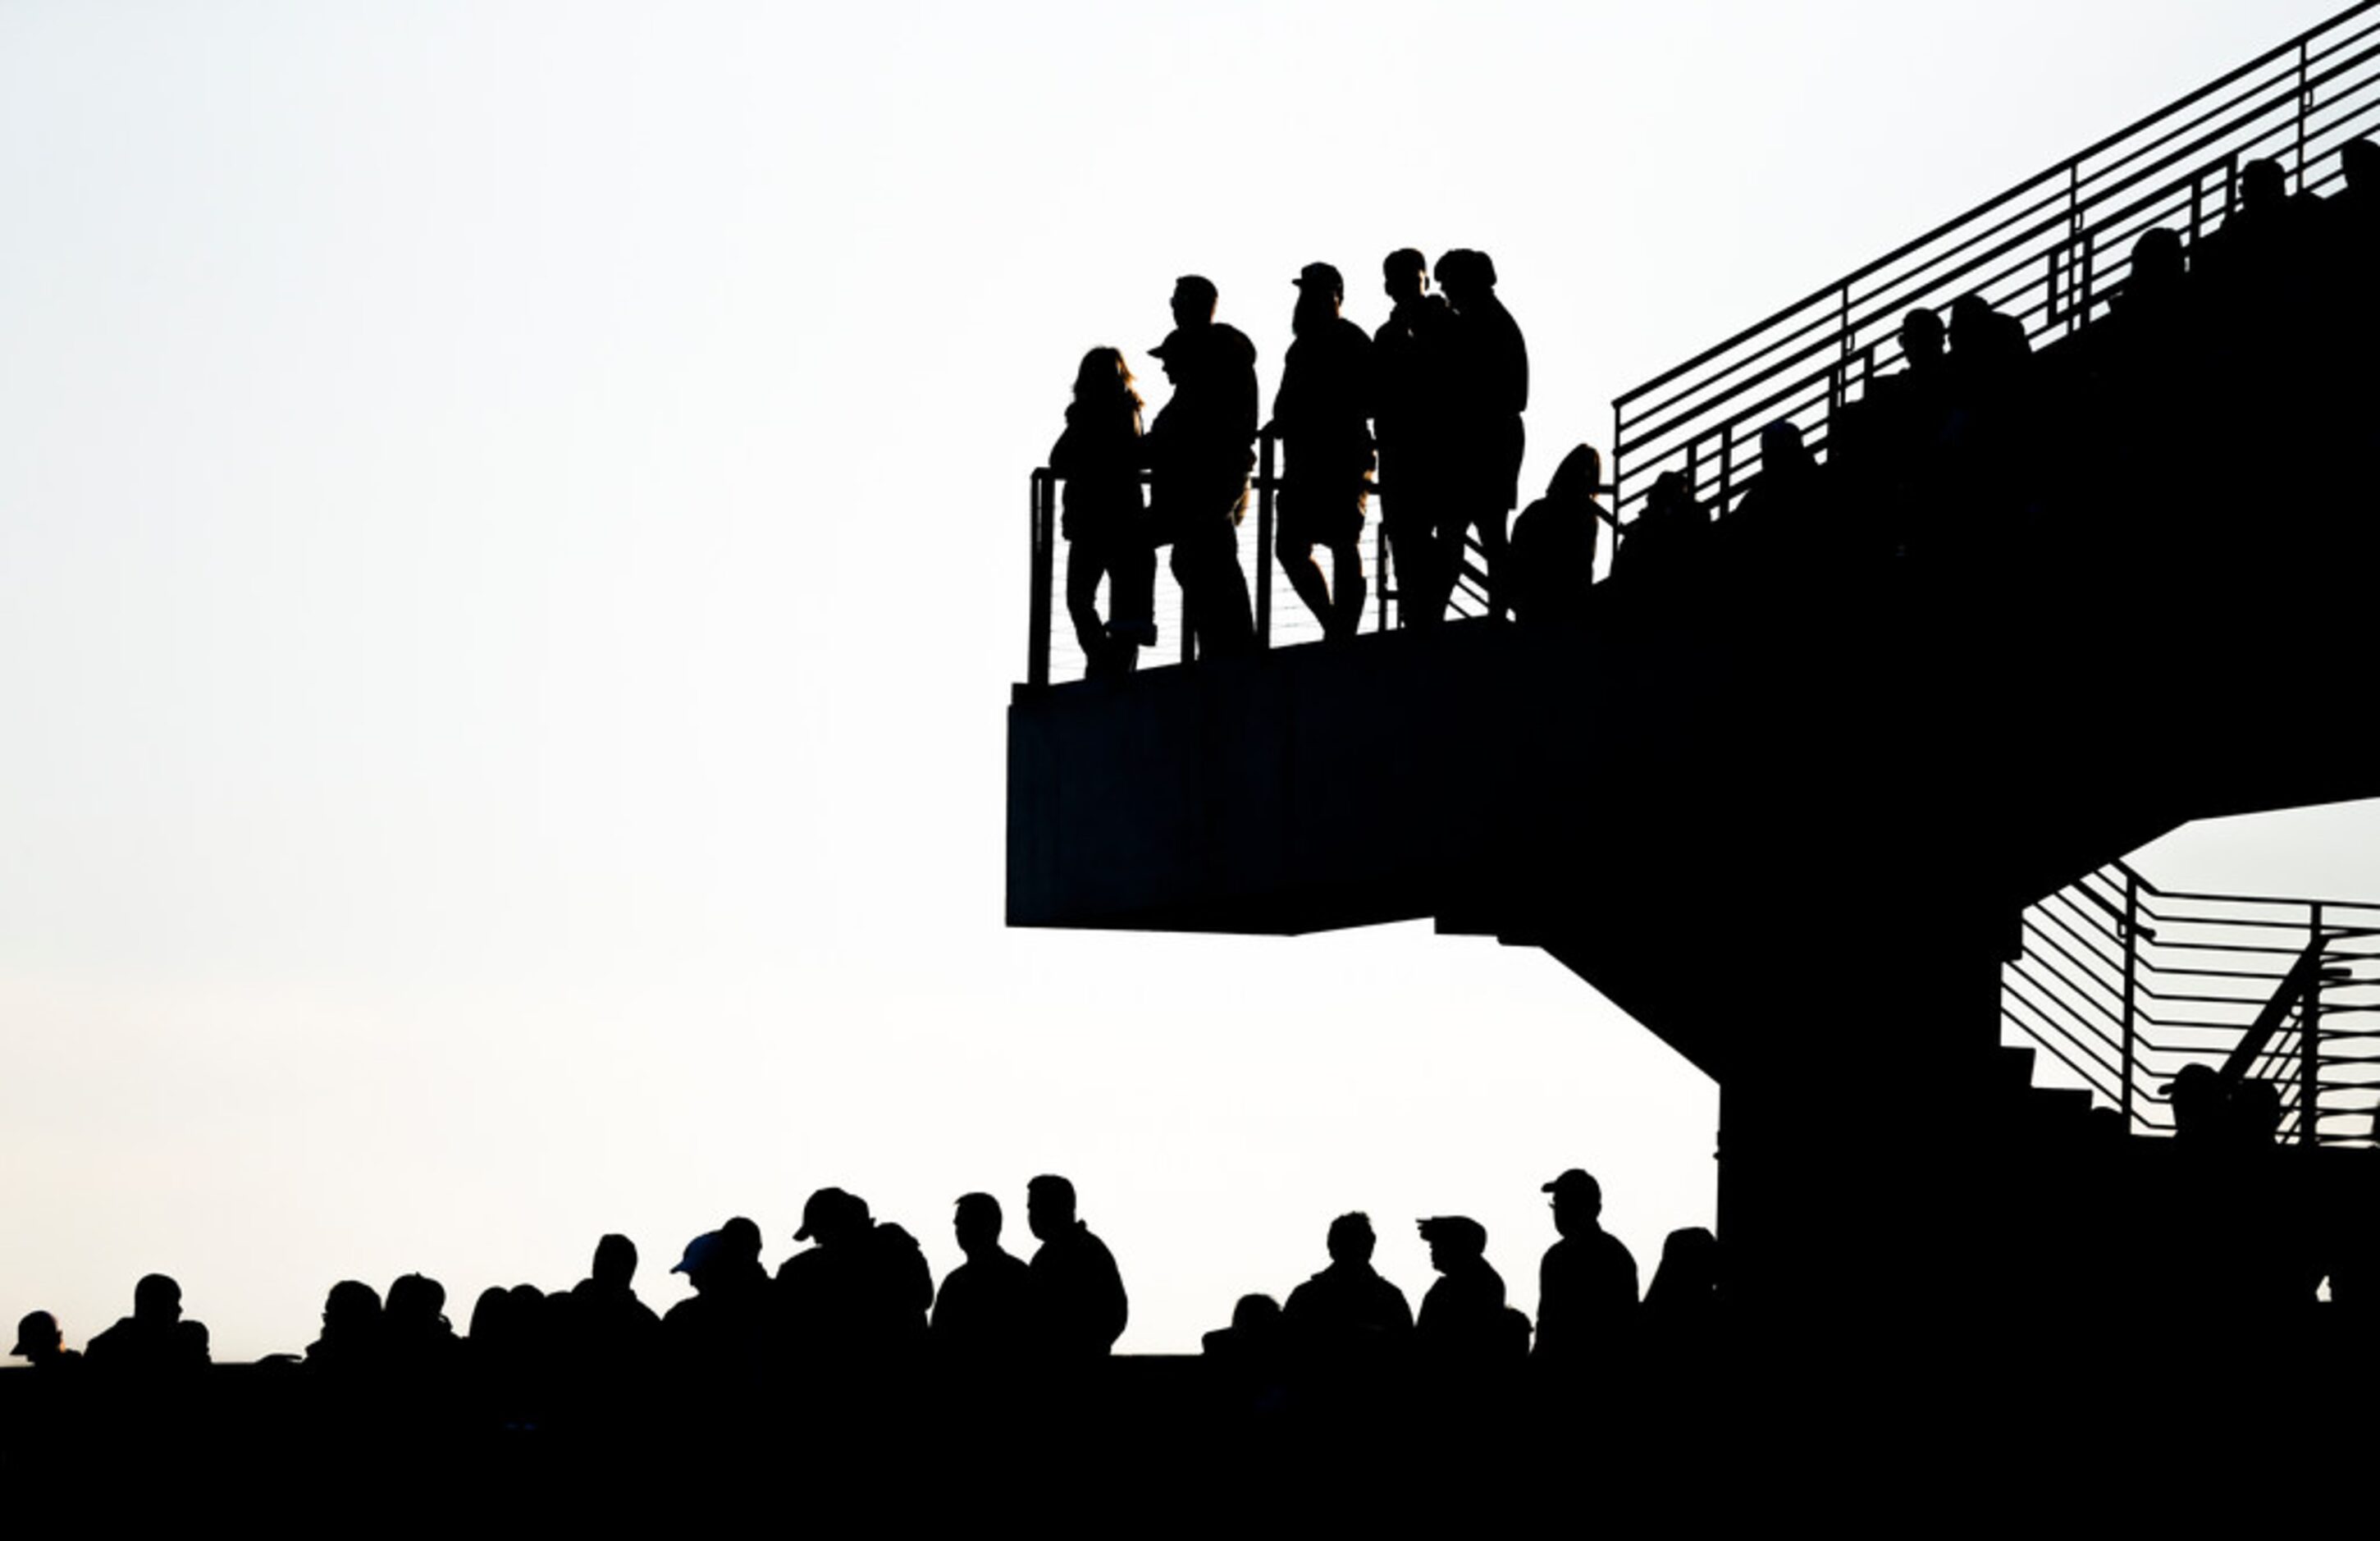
x=1322, y=415
x=1587, y=1285
x=1200, y=451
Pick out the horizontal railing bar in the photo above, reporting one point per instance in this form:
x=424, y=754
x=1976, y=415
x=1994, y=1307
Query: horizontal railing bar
x=2063, y=168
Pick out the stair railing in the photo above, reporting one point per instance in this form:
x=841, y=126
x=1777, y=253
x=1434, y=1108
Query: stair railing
x=2048, y=252
x=1282, y=619
x=2122, y=984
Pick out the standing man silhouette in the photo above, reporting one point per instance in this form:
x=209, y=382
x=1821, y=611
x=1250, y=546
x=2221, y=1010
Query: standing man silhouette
x=1409, y=378
x=1200, y=450
x=1320, y=413
x=1079, y=1309
x=1587, y=1286
x=1489, y=391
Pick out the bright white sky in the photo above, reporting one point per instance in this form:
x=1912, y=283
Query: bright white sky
x=512, y=551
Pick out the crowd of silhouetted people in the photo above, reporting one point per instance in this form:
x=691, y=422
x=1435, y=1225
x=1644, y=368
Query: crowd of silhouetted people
x=852, y=1325
x=1432, y=400
x=1970, y=454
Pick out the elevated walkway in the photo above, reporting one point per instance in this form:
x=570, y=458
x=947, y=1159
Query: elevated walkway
x=1787, y=810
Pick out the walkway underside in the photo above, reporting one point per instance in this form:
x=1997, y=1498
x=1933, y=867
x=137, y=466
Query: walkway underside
x=1703, y=785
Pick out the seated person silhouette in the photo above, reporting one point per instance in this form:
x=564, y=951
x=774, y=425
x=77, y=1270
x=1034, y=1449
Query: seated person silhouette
x=154, y=1340
x=1550, y=565
x=41, y=1345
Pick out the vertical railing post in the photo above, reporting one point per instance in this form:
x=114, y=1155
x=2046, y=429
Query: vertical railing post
x=1264, y=541
x=2310, y=1040
x=1726, y=467
x=1037, y=625
x=2131, y=969
x=2305, y=106
x=1380, y=560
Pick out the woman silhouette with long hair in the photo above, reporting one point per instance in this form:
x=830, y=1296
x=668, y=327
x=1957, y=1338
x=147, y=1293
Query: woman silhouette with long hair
x=1105, y=522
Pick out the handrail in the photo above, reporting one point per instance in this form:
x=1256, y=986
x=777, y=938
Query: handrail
x=2062, y=168
x=2045, y=250
x=2124, y=1024
x=1469, y=599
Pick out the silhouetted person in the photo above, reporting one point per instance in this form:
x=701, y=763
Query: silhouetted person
x=1411, y=364
x=1668, y=538
x=1587, y=1286
x=1988, y=354
x=2255, y=261
x=1486, y=393
x=721, y=1344
x=610, y=1320
x=154, y=1340
x=41, y=1345
x=1079, y=1309
x=1549, y=570
x=1906, y=413
x=1104, y=522
x=1464, y=1324
x=353, y=1345
x=2350, y=216
x=1246, y=1358
x=1776, y=524
x=984, y=1316
x=2197, y=1097
x=1200, y=451
x=859, y=1295
x=1322, y=413
x=1348, y=1313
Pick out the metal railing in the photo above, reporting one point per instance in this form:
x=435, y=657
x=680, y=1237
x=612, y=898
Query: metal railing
x=2048, y=252
x=1282, y=617
x=2123, y=984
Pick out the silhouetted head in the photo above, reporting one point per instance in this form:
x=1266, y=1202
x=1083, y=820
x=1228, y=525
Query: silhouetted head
x=38, y=1336
x=1048, y=1206
x=1194, y=301
x=705, y=1256
x=1404, y=274
x=832, y=1215
x=416, y=1300
x=1689, y=1266
x=1351, y=1239
x=1103, y=377
x=1578, y=478
x=1671, y=493
x=1577, y=1202
x=1454, y=1240
x=2196, y=1093
x=491, y=1315
x=157, y=1299
x=1464, y=273
x=1922, y=337
x=2360, y=160
x=2263, y=186
x=1971, y=324
x=1174, y=355
x=2157, y=261
x=977, y=1223
x=615, y=1261
x=1255, y=1316
x=739, y=1241
x=1782, y=447
x=352, y=1307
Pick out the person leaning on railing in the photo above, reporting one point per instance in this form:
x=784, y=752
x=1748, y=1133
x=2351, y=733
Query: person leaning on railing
x=1104, y=521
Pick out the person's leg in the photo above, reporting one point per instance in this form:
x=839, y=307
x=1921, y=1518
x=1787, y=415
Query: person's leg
x=1293, y=546
x=1085, y=565
x=1347, y=587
